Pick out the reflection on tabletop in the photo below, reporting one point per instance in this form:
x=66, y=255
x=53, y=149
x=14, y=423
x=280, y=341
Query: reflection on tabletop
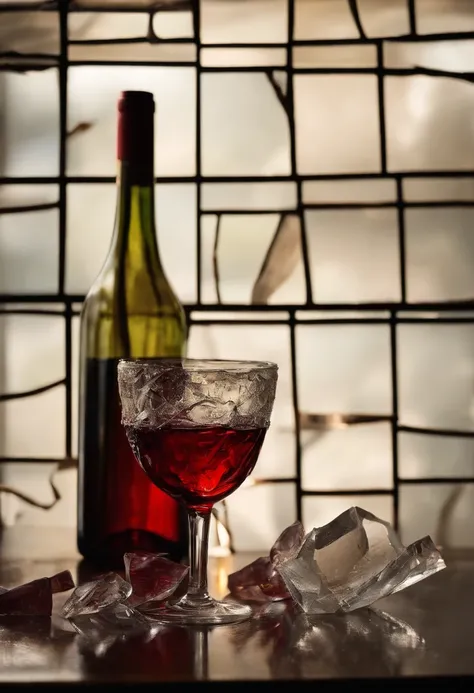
x=286, y=642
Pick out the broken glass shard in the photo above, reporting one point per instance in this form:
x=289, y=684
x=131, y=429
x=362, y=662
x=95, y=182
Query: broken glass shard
x=259, y=581
x=288, y=543
x=152, y=576
x=353, y=561
x=62, y=582
x=32, y=599
x=94, y=596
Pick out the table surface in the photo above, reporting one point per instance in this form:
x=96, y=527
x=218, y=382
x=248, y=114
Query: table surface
x=427, y=630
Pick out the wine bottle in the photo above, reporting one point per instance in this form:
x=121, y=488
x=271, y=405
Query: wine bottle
x=130, y=311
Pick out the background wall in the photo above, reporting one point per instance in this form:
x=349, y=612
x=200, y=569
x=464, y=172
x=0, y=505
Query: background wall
x=353, y=250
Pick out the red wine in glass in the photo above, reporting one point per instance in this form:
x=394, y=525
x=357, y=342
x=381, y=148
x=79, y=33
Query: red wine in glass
x=199, y=466
x=196, y=427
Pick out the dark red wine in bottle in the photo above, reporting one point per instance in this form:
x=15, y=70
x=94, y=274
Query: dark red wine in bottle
x=130, y=311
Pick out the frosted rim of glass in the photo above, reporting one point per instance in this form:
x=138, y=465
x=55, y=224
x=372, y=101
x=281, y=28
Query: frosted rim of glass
x=199, y=365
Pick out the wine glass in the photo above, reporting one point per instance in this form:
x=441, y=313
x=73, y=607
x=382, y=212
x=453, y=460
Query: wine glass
x=196, y=428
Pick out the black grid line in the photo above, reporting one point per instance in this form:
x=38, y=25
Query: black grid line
x=389, y=313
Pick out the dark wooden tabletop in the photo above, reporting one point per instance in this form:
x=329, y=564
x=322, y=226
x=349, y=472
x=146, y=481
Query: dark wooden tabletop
x=426, y=631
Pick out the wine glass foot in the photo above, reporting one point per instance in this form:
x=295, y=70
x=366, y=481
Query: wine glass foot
x=213, y=613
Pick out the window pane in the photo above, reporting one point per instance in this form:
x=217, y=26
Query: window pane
x=259, y=21
x=336, y=124
x=344, y=369
x=30, y=124
x=29, y=242
x=436, y=456
x=258, y=514
x=29, y=32
x=42, y=417
x=444, y=511
x=342, y=269
x=440, y=253
x=319, y=510
x=357, y=457
x=29, y=368
x=436, y=373
x=421, y=110
x=244, y=127
x=93, y=94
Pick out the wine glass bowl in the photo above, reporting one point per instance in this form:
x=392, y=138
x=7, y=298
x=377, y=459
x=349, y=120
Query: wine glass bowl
x=196, y=427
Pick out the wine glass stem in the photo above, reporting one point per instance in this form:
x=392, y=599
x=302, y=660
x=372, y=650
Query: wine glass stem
x=198, y=547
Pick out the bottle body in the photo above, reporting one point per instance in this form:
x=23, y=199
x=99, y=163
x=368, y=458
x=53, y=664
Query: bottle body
x=130, y=311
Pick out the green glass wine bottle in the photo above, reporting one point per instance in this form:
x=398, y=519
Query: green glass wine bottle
x=130, y=311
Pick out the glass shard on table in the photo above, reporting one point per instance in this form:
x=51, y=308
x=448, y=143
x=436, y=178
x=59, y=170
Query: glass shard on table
x=94, y=596
x=259, y=581
x=152, y=576
x=353, y=561
x=34, y=598
x=62, y=582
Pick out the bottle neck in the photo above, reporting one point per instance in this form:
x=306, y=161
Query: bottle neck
x=135, y=233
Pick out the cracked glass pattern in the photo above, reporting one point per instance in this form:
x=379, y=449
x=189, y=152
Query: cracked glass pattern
x=191, y=393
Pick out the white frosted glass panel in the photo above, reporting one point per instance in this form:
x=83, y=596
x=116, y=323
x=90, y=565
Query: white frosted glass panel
x=372, y=190
x=303, y=315
x=248, y=196
x=442, y=16
x=357, y=457
x=173, y=24
x=440, y=254
x=134, y=52
x=33, y=351
x=271, y=343
x=386, y=18
x=344, y=368
x=436, y=456
x=336, y=124
x=243, y=243
x=176, y=222
x=343, y=268
x=139, y=4
x=243, y=56
x=454, y=56
x=29, y=32
x=334, y=56
x=444, y=511
x=259, y=21
x=324, y=19
x=89, y=235
x=436, y=375
x=253, y=316
x=422, y=189
x=319, y=510
x=244, y=127
x=108, y=25
x=33, y=480
x=258, y=514
x=30, y=124
x=29, y=252
x=421, y=110
x=28, y=194
x=34, y=426
x=93, y=95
